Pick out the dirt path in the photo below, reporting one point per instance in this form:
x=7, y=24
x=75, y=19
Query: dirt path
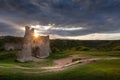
x=64, y=61
x=63, y=64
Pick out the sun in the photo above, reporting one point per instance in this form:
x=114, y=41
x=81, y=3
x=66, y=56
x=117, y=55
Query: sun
x=36, y=35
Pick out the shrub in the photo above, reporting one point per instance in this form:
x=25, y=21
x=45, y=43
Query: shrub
x=76, y=59
x=117, y=48
x=81, y=48
x=55, y=50
x=2, y=49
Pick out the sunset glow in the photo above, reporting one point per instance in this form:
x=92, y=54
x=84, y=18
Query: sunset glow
x=36, y=35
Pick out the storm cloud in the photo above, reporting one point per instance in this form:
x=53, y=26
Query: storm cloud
x=71, y=17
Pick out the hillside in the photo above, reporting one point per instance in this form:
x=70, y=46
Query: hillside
x=61, y=45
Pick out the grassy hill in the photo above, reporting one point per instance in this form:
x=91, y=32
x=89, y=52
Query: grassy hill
x=105, y=45
x=61, y=45
x=98, y=70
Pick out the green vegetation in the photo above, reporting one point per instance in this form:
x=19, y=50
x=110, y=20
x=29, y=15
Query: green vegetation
x=96, y=53
x=85, y=45
x=10, y=69
x=117, y=48
x=62, y=45
x=58, y=55
x=9, y=58
x=80, y=48
x=76, y=59
x=99, y=70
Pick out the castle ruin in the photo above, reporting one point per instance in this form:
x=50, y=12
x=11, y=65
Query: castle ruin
x=34, y=49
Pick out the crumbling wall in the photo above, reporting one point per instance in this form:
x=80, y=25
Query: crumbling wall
x=34, y=48
x=42, y=47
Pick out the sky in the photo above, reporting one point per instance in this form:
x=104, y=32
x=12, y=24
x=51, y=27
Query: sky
x=62, y=19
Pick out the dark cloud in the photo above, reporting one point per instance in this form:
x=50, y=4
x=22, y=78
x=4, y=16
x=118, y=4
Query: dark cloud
x=95, y=16
x=6, y=29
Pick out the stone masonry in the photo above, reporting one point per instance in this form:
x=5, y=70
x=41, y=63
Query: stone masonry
x=34, y=49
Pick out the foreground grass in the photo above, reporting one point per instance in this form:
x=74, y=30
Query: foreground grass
x=100, y=70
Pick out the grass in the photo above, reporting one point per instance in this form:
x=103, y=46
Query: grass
x=9, y=58
x=99, y=70
x=96, y=53
x=58, y=55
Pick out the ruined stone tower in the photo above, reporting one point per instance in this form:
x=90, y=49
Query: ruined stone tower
x=34, y=48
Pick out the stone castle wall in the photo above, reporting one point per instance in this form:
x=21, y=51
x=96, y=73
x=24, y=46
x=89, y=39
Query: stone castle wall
x=34, y=48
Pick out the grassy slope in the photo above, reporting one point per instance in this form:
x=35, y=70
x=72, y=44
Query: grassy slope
x=96, y=53
x=100, y=70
